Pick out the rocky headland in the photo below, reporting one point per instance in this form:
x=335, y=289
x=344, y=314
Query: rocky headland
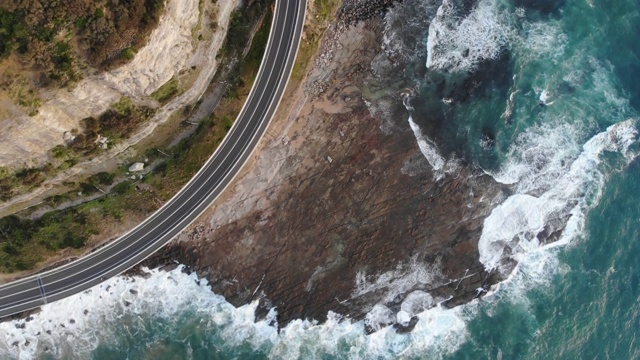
x=340, y=210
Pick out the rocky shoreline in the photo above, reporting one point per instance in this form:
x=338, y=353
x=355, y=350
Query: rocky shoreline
x=340, y=211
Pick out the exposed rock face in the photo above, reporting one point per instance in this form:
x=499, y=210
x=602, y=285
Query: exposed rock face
x=25, y=140
x=337, y=214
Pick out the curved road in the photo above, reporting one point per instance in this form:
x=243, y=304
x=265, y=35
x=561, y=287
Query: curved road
x=194, y=198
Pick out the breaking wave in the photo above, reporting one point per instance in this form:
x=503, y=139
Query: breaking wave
x=567, y=186
x=568, y=128
x=459, y=42
x=561, y=99
x=428, y=148
x=139, y=314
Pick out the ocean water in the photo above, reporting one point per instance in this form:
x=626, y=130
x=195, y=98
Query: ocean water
x=543, y=95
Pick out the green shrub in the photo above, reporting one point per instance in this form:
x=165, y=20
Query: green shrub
x=128, y=54
x=87, y=188
x=102, y=178
x=59, y=151
x=167, y=91
x=122, y=188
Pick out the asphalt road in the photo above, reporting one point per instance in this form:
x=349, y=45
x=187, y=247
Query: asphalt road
x=156, y=231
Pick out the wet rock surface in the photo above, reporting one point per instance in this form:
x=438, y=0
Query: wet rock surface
x=353, y=11
x=340, y=211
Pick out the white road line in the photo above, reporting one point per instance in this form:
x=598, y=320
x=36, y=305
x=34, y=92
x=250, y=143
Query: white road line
x=42, y=292
x=244, y=151
x=195, y=178
x=183, y=203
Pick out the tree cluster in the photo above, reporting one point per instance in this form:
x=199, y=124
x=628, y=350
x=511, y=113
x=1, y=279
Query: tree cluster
x=116, y=123
x=57, y=38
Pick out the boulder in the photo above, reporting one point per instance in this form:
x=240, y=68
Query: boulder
x=136, y=167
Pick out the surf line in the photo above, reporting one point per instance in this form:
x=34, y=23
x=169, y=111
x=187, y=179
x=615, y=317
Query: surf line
x=42, y=292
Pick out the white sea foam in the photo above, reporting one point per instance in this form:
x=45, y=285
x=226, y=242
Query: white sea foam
x=428, y=148
x=461, y=44
x=438, y=332
x=121, y=307
x=541, y=41
x=555, y=177
x=603, y=81
x=124, y=311
x=539, y=156
x=404, y=33
x=379, y=317
x=556, y=168
x=564, y=188
x=397, y=281
x=417, y=302
x=545, y=97
x=458, y=43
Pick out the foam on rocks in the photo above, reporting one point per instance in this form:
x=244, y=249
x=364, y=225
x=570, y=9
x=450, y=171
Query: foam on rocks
x=76, y=326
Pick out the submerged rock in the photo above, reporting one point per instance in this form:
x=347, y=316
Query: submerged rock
x=488, y=140
x=402, y=328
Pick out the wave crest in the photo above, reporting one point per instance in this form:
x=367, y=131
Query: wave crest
x=566, y=190
x=460, y=44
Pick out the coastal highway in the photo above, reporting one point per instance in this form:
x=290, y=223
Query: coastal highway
x=157, y=230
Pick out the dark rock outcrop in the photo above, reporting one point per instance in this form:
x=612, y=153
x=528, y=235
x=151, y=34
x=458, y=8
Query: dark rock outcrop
x=359, y=220
x=354, y=11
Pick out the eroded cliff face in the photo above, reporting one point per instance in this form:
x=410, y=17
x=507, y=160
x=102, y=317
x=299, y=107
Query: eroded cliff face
x=172, y=49
x=340, y=210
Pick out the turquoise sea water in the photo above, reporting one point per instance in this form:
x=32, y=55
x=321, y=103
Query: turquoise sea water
x=590, y=308
x=555, y=85
x=579, y=300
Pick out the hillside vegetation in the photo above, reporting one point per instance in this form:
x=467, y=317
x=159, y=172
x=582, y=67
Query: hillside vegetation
x=27, y=241
x=58, y=39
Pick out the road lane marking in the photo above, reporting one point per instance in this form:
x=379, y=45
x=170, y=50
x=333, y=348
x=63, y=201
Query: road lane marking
x=246, y=150
x=200, y=175
x=42, y=292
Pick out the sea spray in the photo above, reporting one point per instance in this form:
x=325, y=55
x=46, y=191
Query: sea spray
x=518, y=221
x=132, y=313
x=136, y=316
x=460, y=42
